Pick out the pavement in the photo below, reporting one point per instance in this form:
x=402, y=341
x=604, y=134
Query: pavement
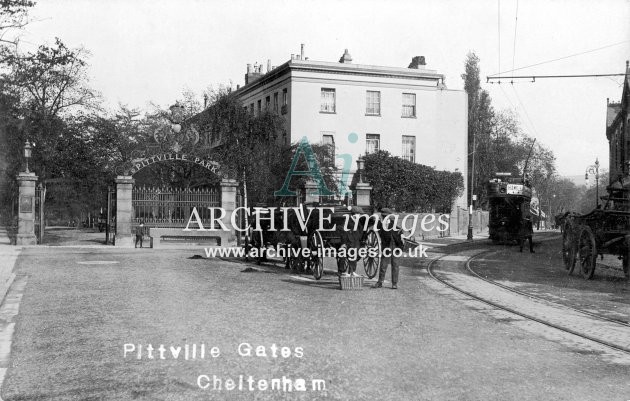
x=79, y=307
x=8, y=257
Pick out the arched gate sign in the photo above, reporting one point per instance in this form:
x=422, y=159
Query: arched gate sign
x=210, y=165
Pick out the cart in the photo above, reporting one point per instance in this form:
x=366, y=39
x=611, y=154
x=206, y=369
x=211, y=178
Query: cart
x=320, y=238
x=313, y=238
x=602, y=231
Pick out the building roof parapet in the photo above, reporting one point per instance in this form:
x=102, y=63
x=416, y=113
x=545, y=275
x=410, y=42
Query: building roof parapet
x=343, y=68
x=365, y=68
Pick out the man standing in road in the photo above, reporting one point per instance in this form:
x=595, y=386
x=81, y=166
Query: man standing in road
x=390, y=239
x=526, y=231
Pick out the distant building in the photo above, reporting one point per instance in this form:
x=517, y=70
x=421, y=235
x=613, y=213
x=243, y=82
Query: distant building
x=408, y=112
x=618, y=132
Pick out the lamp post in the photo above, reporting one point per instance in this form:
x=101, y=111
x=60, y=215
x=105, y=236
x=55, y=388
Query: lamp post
x=550, y=216
x=469, y=237
x=360, y=165
x=363, y=189
x=27, y=153
x=594, y=169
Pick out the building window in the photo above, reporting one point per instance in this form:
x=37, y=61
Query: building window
x=373, y=103
x=409, y=105
x=251, y=109
x=259, y=107
x=328, y=139
x=328, y=101
x=372, y=143
x=275, y=102
x=268, y=104
x=285, y=101
x=409, y=148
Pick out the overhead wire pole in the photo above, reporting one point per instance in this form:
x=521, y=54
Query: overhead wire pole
x=560, y=58
x=533, y=77
x=469, y=236
x=499, y=29
x=514, y=44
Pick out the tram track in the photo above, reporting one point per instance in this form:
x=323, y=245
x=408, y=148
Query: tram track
x=514, y=290
x=528, y=316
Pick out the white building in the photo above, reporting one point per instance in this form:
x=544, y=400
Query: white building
x=407, y=111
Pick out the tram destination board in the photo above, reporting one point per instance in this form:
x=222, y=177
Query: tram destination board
x=515, y=189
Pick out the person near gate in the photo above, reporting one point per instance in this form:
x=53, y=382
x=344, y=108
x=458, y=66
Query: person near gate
x=390, y=239
x=139, y=233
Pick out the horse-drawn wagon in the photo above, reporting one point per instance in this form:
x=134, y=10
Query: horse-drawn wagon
x=602, y=231
x=312, y=231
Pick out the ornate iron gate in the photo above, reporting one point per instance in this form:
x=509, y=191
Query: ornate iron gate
x=110, y=226
x=172, y=207
x=40, y=224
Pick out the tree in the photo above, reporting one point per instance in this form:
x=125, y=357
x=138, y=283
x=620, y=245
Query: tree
x=567, y=196
x=410, y=187
x=51, y=100
x=480, y=125
x=13, y=16
x=51, y=80
x=497, y=143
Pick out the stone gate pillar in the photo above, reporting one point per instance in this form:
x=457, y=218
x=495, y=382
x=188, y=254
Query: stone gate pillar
x=228, y=203
x=311, y=192
x=26, y=211
x=364, y=191
x=124, y=211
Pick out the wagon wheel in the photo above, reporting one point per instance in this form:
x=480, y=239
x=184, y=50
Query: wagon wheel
x=293, y=261
x=568, y=248
x=298, y=264
x=316, y=245
x=587, y=252
x=372, y=259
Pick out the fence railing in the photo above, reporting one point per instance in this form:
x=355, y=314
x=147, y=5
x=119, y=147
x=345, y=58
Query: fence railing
x=172, y=207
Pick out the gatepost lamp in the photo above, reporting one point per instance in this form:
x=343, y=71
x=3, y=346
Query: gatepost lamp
x=360, y=165
x=27, y=153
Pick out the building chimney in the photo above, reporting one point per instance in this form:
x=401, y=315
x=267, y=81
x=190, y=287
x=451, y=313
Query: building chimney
x=249, y=68
x=268, y=65
x=302, y=51
x=346, y=57
x=292, y=56
x=417, y=62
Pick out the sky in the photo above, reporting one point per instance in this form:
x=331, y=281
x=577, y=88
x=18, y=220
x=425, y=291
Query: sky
x=146, y=52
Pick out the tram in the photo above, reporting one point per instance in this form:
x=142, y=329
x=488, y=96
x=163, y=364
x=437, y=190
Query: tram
x=509, y=202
